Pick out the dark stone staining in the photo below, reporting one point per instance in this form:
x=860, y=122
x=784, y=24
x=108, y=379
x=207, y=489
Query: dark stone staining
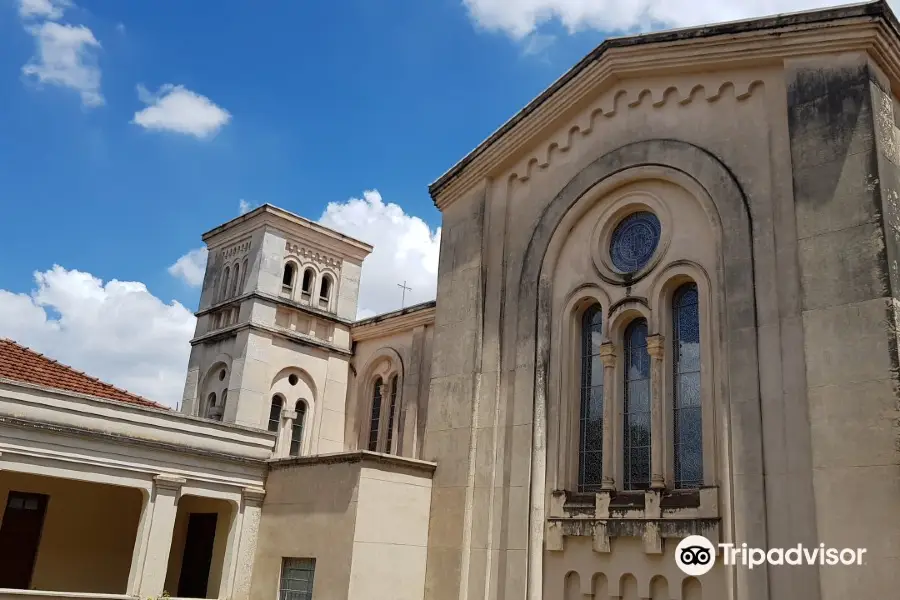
x=830, y=119
x=837, y=181
x=680, y=499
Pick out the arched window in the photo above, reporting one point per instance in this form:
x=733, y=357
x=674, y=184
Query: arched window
x=220, y=413
x=376, y=416
x=235, y=290
x=308, y=277
x=325, y=290
x=590, y=444
x=275, y=413
x=687, y=417
x=210, y=404
x=637, y=407
x=287, y=278
x=391, y=409
x=226, y=279
x=244, y=276
x=297, y=429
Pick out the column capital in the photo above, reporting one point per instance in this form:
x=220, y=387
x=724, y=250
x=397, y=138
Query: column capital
x=253, y=495
x=287, y=413
x=165, y=481
x=656, y=345
x=608, y=354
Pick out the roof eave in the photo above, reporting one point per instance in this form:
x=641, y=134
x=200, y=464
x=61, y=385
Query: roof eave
x=877, y=9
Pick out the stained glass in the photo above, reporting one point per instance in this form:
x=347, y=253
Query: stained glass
x=297, y=429
x=688, y=431
x=634, y=241
x=590, y=447
x=391, y=408
x=376, y=416
x=637, y=407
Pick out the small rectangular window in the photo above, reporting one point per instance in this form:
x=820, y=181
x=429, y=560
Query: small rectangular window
x=297, y=579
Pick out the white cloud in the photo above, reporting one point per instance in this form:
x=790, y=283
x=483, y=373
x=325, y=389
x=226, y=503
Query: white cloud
x=191, y=267
x=66, y=56
x=244, y=207
x=117, y=331
x=406, y=248
x=43, y=9
x=178, y=109
x=520, y=18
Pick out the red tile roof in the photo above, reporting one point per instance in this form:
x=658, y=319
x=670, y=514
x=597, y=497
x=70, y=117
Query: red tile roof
x=22, y=364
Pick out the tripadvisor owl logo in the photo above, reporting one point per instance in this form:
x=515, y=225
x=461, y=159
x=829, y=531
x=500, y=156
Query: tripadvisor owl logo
x=695, y=555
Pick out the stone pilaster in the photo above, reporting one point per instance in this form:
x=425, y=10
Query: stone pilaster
x=163, y=507
x=608, y=356
x=656, y=349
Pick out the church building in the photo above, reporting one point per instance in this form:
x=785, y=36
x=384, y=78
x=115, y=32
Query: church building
x=667, y=305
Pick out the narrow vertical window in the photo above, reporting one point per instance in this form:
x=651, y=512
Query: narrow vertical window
x=225, y=281
x=687, y=413
x=287, y=278
x=297, y=429
x=210, y=405
x=637, y=407
x=590, y=444
x=375, y=417
x=391, y=408
x=325, y=291
x=244, y=276
x=308, y=277
x=297, y=576
x=275, y=414
x=236, y=289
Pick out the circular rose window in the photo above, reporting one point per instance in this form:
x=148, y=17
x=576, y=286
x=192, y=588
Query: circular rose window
x=634, y=241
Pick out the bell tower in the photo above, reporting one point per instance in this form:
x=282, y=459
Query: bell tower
x=273, y=326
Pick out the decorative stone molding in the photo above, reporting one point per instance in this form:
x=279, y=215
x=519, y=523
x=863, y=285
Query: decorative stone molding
x=253, y=496
x=168, y=482
x=726, y=47
x=317, y=256
x=235, y=250
x=620, y=100
x=653, y=516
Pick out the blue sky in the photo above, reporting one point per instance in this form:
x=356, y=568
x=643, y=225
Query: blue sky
x=129, y=128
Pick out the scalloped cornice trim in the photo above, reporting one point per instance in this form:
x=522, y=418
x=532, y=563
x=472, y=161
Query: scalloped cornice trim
x=623, y=99
x=870, y=28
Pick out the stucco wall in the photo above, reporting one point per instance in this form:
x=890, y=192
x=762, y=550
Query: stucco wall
x=89, y=533
x=363, y=517
x=309, y=512
x=410, y=349
x=196, y=504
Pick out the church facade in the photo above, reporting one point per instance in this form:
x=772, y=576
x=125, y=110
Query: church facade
x=666, y=306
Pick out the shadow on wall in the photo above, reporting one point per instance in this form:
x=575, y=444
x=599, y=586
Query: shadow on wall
x=628, y=588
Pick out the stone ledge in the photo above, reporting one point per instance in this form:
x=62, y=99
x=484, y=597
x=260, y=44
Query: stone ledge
x=363, y=456
x=651, y=531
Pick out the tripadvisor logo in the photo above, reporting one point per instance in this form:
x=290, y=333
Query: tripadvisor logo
x=696, y=556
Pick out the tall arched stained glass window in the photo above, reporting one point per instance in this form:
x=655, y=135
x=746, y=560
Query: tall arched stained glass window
x=391, y=409
x=687, y=420
x=590, y=445
x=637, y=407
x=297, y=429
x=375, y=419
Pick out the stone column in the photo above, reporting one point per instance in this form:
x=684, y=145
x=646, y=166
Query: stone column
x=608, y=356
x=286, y=429
x=247, y=525
x=162, y=509
x=656, y=350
